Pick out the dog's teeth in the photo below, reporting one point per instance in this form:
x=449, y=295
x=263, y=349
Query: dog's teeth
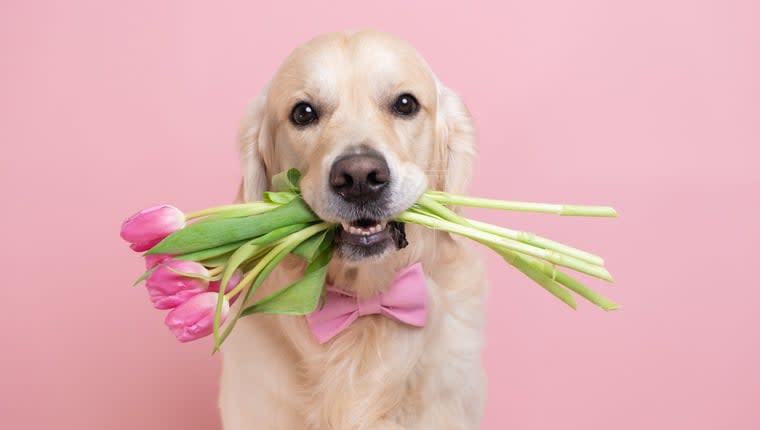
x=363, y=231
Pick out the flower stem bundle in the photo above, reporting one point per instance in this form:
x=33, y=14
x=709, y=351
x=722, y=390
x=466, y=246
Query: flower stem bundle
x=198, y=269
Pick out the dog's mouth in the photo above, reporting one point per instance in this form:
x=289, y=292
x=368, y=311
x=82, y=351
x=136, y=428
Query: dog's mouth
x=364, y=232
x=368, y=237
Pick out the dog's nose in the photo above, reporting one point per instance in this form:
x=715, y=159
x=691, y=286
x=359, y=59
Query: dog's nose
x=359, y=177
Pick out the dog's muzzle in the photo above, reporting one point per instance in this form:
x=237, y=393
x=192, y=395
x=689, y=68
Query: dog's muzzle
x=361, y=182
x=360, y=178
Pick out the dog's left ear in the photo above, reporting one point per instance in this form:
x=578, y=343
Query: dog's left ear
x=253, y=142
x=456, y=142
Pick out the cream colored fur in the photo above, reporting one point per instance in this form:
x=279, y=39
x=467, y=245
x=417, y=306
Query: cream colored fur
x=377, y=374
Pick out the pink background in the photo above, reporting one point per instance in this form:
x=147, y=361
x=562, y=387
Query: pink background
x=650, y=106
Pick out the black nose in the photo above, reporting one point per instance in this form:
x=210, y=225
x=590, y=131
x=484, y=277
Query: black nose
x=359, y=177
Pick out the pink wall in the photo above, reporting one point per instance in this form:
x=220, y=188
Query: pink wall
x=651, y=106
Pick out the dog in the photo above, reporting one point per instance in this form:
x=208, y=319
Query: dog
x=369, y=125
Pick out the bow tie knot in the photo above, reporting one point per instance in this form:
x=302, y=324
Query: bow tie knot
x=369, y=306
x=405, y=301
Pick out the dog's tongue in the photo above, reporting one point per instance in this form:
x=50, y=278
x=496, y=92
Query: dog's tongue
x=398, y=233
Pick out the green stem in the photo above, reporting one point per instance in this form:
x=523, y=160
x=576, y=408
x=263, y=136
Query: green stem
x=572, y=284
x=215, y=271
x=428, y=206
x=288, y=241
x=240, y=209
x=538, y=241
x=262, y=269
x=520, y=263
x=496, y=241
x=264, y=273
x=566, y=210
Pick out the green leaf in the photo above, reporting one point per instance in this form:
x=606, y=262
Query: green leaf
x=262, y=276
x=311, y=247
x=207, y=254
x=287, y=181
x=269, y=261
x=144, y=276
x=253, y=248
x=233, y=210
x=277, y=234
x=258, y=274
x=327, y=243
x=195, y=275
x=217, y=232
x=300, y=297
x=219, y=260
x=281, y=197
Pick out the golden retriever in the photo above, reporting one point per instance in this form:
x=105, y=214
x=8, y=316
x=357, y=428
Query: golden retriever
x=371, y=127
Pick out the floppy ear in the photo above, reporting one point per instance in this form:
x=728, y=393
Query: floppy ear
x=252, y=140
x=456, y=141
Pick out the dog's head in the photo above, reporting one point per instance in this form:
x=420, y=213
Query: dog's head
x=368, y=124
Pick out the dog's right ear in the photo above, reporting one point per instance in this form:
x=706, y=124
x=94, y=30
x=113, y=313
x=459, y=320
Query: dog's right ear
x=456, y=141
x=252, y=139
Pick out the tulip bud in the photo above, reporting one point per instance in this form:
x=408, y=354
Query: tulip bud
x=146, y=228
x=194, y=319
x=154, y=260
x=235, y=279
x=169, y=289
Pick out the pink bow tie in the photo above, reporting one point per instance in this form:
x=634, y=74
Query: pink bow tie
x=405, y=301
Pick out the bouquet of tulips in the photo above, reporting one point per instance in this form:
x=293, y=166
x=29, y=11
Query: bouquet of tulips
x=200, y=263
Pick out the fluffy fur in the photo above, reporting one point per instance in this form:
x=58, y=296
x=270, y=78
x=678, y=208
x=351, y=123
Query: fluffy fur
x=377, y=374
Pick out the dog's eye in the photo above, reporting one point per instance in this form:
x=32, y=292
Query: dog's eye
x=303, y=114
x=406, y=105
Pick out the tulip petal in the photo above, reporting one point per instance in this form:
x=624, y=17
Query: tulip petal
x=150, y=226
x=168, y=289
x=194, y=319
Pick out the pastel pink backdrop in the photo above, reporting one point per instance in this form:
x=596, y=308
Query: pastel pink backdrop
x=650, y=106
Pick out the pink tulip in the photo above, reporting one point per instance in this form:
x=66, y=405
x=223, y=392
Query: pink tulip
x=235, y=279
x=154, y=260
x=169, y=289
x=146, y=228
x=194, y=319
